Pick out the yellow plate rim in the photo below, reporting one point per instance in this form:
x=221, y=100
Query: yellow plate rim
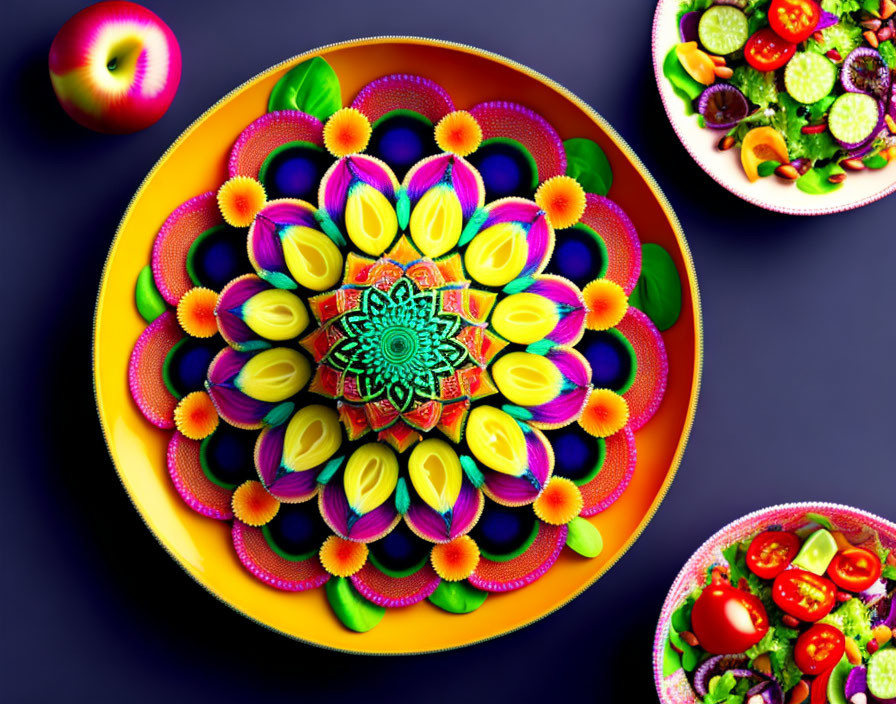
x=614, y=137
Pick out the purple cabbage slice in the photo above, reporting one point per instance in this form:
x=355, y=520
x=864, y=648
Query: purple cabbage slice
x=687, y=26
x=722, y=106
x=719, y=665
x=890, y=619
x=856, y=682
x=865, y=71
x=770, y=691
x=828, y=19
x=874, y=593
x=891, y=104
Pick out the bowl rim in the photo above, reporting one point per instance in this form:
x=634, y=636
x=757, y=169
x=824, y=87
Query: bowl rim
x=619, y=142
x=662, y=629
x=703, y=164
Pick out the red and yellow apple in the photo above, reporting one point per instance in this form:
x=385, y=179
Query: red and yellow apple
x=115, y=67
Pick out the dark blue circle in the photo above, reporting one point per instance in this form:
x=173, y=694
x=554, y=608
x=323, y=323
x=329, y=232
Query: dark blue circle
x=218, y=256
x=297, y=529
x=575, y=452
x=229, y=454
x=401, y=140
x=188, y=362
x=295, y=172
x=578, y=256
x=609, y=357
x=505, y=169
x=400, y=550
x=502, y=530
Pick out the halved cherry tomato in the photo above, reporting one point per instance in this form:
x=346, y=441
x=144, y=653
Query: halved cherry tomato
x=766, y=51
x=819, y=649
x=771, y=552
x=794, y=20
x=728, y=620
x=855, y=569
x=804, y=595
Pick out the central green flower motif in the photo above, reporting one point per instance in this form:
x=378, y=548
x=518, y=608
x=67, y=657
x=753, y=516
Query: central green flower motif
x=399, y=343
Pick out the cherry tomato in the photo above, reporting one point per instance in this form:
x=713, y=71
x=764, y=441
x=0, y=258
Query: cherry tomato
x=804, y=595
x=855, y=569
x=819, y=649
x=794, y=20
x=818, y=692
x=771, y=552
x=728, y=620
x=766, y=51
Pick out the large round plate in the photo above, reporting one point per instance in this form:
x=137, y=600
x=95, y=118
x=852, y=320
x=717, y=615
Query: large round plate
x=857, y=524
x=724, y=167
x=196, y=163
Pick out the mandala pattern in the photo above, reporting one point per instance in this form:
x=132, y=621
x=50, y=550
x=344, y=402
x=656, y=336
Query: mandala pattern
x=419, y=387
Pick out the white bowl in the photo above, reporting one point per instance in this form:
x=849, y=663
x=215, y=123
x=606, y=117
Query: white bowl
x=724, y=167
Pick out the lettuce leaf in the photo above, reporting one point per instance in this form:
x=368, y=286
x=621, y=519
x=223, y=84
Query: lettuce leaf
x=854, y=619
x=757, y=86
x=777, y=644
x=843, y=37
x=888, y=53
x=815, y=147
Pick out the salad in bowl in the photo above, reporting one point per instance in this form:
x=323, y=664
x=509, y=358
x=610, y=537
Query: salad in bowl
x=803, y=91
x=792, y=604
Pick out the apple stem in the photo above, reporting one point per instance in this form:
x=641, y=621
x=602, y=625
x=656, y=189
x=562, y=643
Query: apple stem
x=113, y=63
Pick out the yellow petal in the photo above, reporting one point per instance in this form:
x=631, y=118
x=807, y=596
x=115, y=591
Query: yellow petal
x=525, y=318
x=275, y=314
x=497, y=255
x=437, y=221
x=370, y=219
x=371, y=475
x=436, y=474
x=311, y=257
x=497, y=441
x=274, y=375
x=527, y=379
x=312, y=437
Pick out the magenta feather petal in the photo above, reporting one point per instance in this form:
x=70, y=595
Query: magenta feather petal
x=373, y=172
x=513, y=121
x=230, y=324
x=617, y=231
x=615, y=474
x=540, y=456
x=518, y=491
x=198, y=491
x=287, y=486
x=403, y=92
x=334, y=187
x=572, y=365
x=338, y=182
x=468, y=186
x=233, y=405
x=176, y=236
x=540, y=241
x=561, y=411
x=426, y=174
x=371, y=526
x=430, y=525
x=646, y=394
x=511, y=210
x=257, y=556
x=265, y=248
x=267, y=133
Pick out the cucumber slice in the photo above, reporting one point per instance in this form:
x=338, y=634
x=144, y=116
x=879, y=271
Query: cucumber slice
x=882, y=674
x=853, y=117
x=723, y=29
x=837, y=683
x=809, y=77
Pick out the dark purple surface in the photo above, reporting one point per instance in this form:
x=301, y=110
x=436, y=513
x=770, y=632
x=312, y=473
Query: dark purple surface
x=797, y=398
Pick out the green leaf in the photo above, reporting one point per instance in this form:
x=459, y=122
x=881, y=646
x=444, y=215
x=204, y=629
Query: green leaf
x=767, y=168
x=150, y=303
x=823, y=521
x=587, y=163
x=888, y=53
x=584, y=538
x=690, y=656
x=671, y=659
x=658, y=291
x=355, y=612
x=458, y=597
x=757, y=86
x=815, y=181
x=311, y=87
x=684, y=86
x=681, y=617
x=889, y=572
x=875, y=162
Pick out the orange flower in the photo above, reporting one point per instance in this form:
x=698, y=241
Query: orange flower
x=253, y=505
x=458, y=133
x=605, y=413
x=195, y=416
x=346, y=132
x=342, y=558
x=562, y=198
x=456, y=560
x=196, y=312
x=559, y=502
x=606, y=302
x=240, y=199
